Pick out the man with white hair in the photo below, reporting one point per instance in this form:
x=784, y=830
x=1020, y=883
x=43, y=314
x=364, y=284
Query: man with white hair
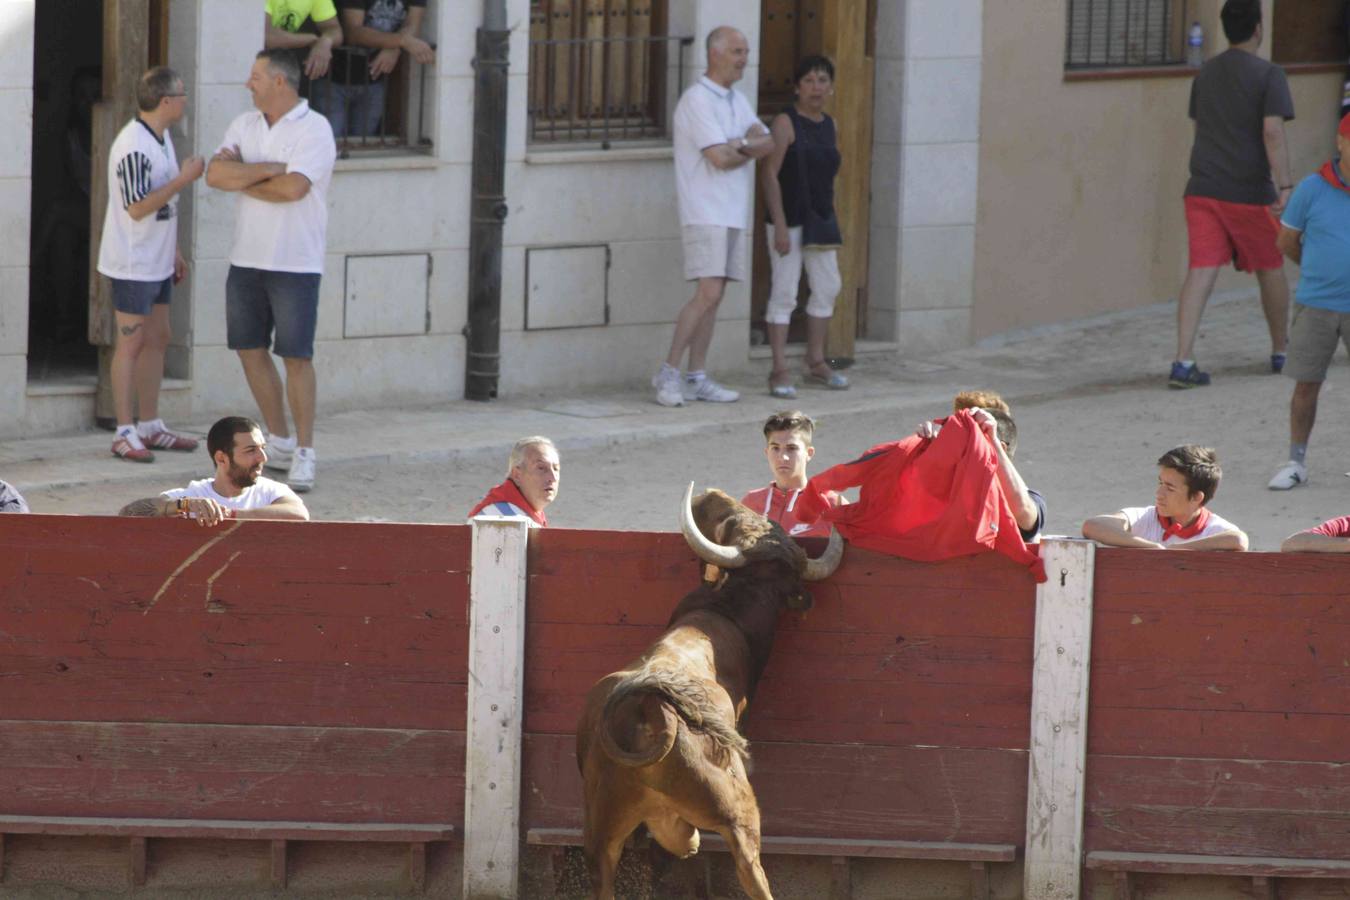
x=717, y=138
x=532, y=475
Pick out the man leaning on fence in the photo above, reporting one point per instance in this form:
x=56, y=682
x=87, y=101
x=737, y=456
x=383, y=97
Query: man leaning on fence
x=717, y=138
x=285, y=29
x=379, y=33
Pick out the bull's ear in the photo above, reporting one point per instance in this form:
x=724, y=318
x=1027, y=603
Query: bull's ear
x=803, y=601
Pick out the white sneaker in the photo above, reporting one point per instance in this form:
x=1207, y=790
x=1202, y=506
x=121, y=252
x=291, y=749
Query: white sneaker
x=279, y=452
x=668, y=388
x=709, y=390
x=1291, y=475
x=301, y=477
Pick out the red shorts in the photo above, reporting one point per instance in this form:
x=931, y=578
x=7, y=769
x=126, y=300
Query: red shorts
x=1241, y=233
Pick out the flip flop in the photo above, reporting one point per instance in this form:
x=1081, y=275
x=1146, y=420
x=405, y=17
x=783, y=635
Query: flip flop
x=835, y=381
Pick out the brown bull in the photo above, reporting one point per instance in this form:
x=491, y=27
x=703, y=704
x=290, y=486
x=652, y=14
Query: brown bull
x=658, y=741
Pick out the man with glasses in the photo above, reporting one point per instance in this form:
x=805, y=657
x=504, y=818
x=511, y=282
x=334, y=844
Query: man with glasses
x=139, y=255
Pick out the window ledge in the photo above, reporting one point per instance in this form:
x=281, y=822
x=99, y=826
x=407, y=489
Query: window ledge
x=1128, y=72
x=1316, y=68
x=392, y=158
x=536, y=156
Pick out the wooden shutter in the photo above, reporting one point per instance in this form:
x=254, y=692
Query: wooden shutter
x=1309, y=31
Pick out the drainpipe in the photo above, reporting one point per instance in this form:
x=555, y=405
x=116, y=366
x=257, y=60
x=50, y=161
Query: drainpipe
x=487, y=209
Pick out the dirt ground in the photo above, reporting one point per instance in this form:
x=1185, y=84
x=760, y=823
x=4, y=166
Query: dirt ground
x=1088, y=451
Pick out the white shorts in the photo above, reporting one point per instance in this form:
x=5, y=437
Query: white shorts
x=713, y=251
x=822, y=273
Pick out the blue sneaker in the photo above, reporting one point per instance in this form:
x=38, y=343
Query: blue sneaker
x=1187, y=377
x=1277, y=362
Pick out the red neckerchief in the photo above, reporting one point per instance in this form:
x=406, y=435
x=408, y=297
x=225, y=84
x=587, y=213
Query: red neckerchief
x=1185, y=532
x=1332, y=174
x=507, y=492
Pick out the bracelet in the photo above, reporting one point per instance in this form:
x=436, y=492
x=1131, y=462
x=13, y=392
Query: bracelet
x=180, y=506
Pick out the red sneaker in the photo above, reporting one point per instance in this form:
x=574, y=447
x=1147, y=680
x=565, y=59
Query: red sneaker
x=123, y=448
x=169, y=440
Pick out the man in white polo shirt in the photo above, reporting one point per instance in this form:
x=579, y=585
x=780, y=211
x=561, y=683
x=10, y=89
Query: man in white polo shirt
x=280, y=159
x=716, y=137
x=138, y=254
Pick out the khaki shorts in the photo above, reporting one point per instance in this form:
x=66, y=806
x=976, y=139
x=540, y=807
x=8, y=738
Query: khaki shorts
x=1312, y=341
x=712, y=251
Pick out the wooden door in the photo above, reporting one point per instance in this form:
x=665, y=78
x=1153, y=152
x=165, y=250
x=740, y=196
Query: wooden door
x=841, y=30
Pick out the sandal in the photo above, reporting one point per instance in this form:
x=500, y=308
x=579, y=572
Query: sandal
x=784, y=391
x=834, y=381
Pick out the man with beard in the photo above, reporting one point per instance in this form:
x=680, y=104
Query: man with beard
x=238, y=490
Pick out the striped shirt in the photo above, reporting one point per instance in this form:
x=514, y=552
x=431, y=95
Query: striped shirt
x=138, y=165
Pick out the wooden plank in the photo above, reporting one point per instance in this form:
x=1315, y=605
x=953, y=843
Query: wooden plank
x=979, y=880
x=1059, y=709
x=417, y=866
x=227, y=829
x=230, y=772
x=317, y=694
x=797, y=846
x=844, y=791
x=1252, y=866
x=278, y=864
x=495, y=706
x=136, y=859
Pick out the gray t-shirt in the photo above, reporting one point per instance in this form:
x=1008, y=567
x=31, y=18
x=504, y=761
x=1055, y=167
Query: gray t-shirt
x=1230, y=98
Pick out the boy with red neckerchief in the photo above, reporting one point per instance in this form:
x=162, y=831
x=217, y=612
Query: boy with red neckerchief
x=1188, y=477
x=787, y=446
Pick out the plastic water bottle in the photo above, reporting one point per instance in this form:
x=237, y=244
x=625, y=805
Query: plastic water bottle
x=1195, y=46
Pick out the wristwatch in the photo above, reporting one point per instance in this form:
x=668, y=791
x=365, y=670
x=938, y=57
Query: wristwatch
x=740, y=144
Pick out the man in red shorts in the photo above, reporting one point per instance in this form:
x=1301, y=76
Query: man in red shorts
x=1240, y=103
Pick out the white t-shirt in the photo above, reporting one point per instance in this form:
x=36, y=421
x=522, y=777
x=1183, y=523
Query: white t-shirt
x=138, y=165
x=284, y=237
x=707, y=115
x=262, y=493
x=1144, y=523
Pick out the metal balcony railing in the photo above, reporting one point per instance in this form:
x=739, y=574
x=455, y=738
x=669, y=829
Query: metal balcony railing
x=373, y=114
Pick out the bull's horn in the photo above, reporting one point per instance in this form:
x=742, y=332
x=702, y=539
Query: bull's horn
x=823, y=566
x=706, y=550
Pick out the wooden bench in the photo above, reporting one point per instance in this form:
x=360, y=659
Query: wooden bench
x=139, y=831
x=1262, y=870
x=839, y=850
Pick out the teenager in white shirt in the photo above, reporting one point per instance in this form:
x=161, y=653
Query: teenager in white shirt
x=280, y=159
x=139, y=255
x=237, y=491
x=1188, y=477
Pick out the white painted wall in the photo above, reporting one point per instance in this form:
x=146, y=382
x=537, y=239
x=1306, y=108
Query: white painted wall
x=412, y=205
x=623, y=198
x=925, y=169
x=16, y=191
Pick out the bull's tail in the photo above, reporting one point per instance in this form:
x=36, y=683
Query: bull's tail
x=688, y=697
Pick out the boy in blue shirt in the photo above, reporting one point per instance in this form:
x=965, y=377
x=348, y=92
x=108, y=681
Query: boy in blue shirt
x=1315, y=233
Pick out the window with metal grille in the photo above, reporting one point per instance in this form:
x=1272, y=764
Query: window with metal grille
x=1125, y=33
x=599, y=69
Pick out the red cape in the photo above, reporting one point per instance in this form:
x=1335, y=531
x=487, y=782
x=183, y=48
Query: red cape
x=507, y=492
x=924, y=499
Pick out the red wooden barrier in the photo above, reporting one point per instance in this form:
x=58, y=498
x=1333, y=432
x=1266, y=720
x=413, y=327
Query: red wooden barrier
x=897, y=708
x=260, y=671
x=1220, y=710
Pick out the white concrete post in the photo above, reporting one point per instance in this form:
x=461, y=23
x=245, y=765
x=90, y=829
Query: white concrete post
x=496, y=707
x=1059, y=704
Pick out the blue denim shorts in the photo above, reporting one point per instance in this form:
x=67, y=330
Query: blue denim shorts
x=258, y=302
x=137, y=298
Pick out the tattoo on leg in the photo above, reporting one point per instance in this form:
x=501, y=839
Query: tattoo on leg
x=130, y=329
